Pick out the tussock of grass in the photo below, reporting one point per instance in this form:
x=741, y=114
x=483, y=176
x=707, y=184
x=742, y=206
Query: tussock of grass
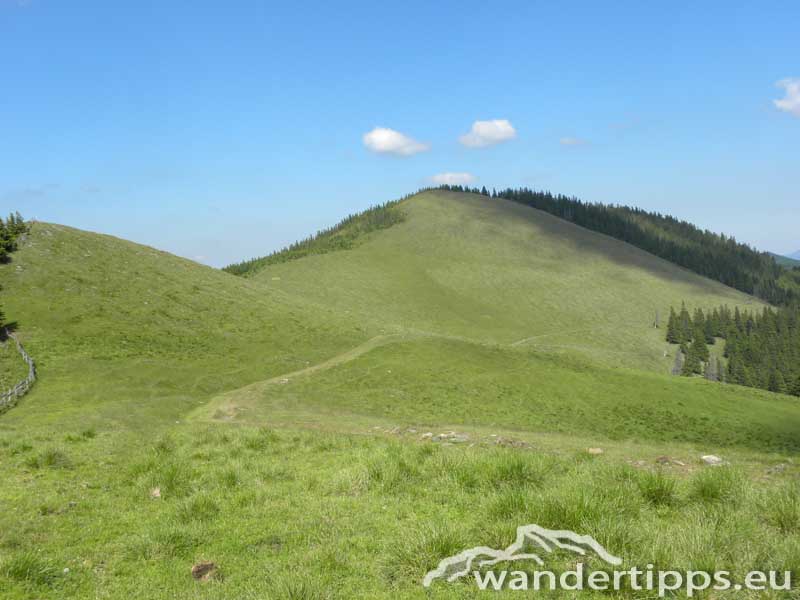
x=261, y=440
x=782, y=508
x=658, y=488
x=29, y=567
x=718, y=485
x=85, y=435
x=198, y=508
x=52, y=458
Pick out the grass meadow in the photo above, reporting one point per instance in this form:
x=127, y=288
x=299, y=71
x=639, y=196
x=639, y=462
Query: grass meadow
x=276, y=425
x=310, y=514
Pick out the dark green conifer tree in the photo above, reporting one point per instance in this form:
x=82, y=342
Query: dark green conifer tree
x=673, y=330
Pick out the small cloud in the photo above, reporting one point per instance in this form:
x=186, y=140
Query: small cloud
x=572, y=141
x=791, y=103
x=29, y=193
x=383, y=140
x=488, y=133
x=453, y=178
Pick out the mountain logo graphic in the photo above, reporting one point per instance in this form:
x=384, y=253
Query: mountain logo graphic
x=544, y=540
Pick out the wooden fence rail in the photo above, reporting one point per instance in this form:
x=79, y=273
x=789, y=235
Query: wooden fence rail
x=9, y=398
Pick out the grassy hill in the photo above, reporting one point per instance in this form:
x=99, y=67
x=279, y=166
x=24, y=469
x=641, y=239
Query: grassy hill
x=786, y=261
x=491, y=270
x=117, y=328
x=274, y=424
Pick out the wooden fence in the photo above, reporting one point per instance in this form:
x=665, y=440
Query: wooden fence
x=10, y=397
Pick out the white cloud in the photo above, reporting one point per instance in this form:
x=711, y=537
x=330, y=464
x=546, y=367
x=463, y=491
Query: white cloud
x=791, y=103
x=488, y=133
x=572, y=141
x=388, y=141
x=453, y=178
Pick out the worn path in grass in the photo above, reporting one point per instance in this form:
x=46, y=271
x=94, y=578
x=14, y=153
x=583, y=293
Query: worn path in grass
x=227, y=405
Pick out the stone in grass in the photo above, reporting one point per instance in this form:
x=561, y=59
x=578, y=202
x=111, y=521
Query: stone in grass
x=595, y=451
x=155, y=493
x=205, y=570
x=712, y=460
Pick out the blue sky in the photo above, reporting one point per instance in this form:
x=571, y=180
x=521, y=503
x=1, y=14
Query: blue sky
x=223, y=130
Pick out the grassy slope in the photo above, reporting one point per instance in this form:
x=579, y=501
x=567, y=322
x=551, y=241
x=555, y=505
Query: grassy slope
x=429, y=383
x=131, y=340
x=492, y=270
x=786, y=261
x=119, y=329
x=12, y=368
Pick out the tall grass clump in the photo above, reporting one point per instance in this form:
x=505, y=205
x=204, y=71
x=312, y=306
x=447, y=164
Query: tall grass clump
x=658, y=488
x=29, y=567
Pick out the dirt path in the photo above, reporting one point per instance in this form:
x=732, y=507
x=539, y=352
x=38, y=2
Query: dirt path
x=225, y=406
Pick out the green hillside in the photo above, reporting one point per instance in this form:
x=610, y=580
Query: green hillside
x=494, y=271
x=786, y=261
x=275, y=424
x=117, y=328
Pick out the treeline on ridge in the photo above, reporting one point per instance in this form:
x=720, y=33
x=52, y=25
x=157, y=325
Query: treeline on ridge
x=711, y=255
x=344, y=235
x=762, y=349
x=10, y=231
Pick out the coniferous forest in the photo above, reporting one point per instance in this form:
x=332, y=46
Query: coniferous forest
x=761, y=349
x=341, y=236
x=711, y=255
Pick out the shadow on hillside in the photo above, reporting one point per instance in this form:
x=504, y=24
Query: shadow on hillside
x=592, y=242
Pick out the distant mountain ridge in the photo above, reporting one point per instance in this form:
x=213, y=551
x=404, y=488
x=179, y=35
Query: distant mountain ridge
x=795, y=255
x=787, y=261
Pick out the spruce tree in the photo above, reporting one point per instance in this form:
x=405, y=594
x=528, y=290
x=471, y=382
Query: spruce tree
x=776, y=383
x=699, y=343
x=692, y=365
x=685, y=325
x=795, y=391
x=673, y=331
